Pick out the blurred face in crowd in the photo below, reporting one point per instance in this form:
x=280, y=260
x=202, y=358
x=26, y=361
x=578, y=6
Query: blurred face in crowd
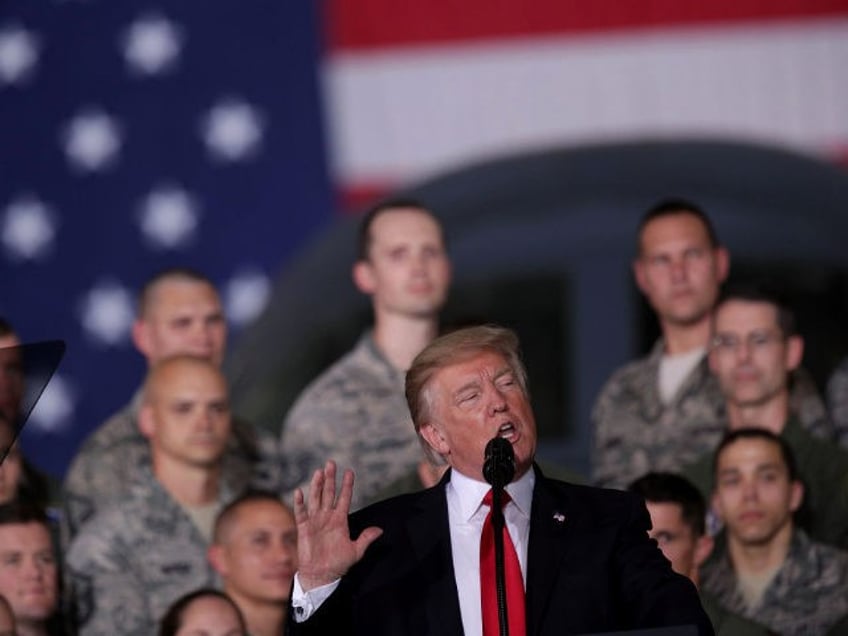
x=677, y=539
x=754, y=495
x=471, y=402
x=181, y=316
x=210, y=616
x=678, y=270
x=750, y=355
x=11, y=467
x=186, y=413
x=28, y=571
x=11, y=377
x=407, y=271
x=256, y=554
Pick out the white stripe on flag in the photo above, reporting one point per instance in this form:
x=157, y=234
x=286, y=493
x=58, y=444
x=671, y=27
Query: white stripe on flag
x=403, y=114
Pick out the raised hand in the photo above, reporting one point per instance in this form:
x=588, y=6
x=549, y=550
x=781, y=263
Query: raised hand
x=325, y=551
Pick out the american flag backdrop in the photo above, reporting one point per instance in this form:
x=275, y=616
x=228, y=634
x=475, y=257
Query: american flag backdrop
x=136, y=135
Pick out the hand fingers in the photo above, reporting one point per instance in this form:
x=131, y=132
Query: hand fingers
x=300, y=512
x=365, y=539
x=328, y=494
x=316, y=486
x=346, y=492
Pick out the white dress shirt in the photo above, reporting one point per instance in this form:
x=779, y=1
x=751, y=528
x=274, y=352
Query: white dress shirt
x=466, y=516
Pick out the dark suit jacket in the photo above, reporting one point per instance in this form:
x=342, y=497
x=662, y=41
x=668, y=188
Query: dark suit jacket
x=594, y=571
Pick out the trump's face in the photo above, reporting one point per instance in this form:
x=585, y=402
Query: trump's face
x=471, y=402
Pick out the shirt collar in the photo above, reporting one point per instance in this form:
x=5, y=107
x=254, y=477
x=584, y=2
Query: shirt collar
x=470, y=492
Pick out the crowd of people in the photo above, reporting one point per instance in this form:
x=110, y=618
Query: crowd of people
x=177, y=515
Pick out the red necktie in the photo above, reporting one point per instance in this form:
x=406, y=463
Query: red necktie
x=512, y=574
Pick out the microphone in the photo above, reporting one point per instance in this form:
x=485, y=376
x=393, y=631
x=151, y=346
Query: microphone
x=498, y=462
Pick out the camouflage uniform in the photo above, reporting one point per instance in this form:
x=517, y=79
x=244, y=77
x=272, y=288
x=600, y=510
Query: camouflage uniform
x=116, y=456
x=822, y=467
x=837, y=401
x=726, y=623
x=356, y=414
x=808, y=595
x=635, y=432
x=132, y=560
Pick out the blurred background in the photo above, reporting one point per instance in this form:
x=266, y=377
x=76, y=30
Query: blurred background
x=243, y=139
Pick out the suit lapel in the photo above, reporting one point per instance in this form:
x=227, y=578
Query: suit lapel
x=551, y=532
x=429, y=535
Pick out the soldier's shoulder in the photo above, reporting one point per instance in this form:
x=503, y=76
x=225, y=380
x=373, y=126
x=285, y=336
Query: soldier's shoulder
x=831, y=558
x=346, y=381
x=117, y=428
x=634, y=372
x=727, y=623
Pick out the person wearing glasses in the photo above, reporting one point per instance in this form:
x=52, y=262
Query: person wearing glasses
x=662, y=411
x=755, y=347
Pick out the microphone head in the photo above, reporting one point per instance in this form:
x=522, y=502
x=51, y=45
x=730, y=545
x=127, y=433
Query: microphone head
x=498, y=462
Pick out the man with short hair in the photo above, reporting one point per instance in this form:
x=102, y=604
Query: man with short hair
x=678, y=526
x=662, y=411
x=179, y=312
x=770, y=571
x=422, y=563
x=254, y=551
x=354, y=412
x=130, y=561
x=755, y=349
x=29, y=570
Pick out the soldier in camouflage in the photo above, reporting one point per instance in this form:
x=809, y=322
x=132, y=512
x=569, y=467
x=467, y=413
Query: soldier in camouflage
x=130, y=561
x=355, y=412
x=677, y=512
x=179, y=312
x=663, y=411
x=29, y=578
x=755, y=348
x=768, y=570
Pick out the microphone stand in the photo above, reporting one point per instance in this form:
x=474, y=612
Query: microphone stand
x=500, y=577
x=498, y=470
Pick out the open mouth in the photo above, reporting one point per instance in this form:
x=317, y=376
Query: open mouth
x=507, y=431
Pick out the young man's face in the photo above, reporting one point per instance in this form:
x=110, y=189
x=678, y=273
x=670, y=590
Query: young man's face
x=182, y=317
x=257, y=556
x=186, y=415
x=28, y=571
x=753, y=494
x=750, y=356
x=678, y=541
x=678, y=270
x=407, y=271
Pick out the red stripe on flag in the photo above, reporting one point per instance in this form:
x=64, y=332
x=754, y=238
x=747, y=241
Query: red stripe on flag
x=364, y=24
x=358, y=197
